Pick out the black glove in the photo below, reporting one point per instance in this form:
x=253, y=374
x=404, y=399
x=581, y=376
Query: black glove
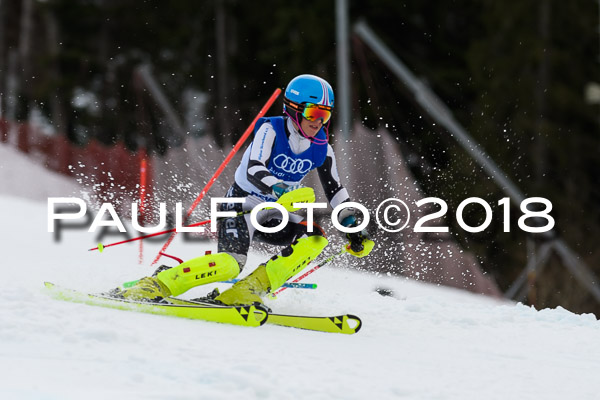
x=360, y=242
x=356, y=240
x=347, y=218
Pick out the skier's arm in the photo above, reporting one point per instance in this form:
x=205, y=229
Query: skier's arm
x=330, y=179
x=360, y=245
x=334, y=191
x=262, y=147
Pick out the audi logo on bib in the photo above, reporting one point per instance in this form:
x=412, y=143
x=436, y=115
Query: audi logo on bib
x=292, y=165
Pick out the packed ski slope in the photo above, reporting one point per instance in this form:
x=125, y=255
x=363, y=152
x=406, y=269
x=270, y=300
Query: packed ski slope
x=423, y=342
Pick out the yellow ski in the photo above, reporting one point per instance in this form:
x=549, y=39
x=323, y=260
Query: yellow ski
x=346, y=323
x=243, y=315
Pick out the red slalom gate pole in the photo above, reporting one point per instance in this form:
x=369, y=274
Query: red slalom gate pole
x=143, y=182
x=218, y=172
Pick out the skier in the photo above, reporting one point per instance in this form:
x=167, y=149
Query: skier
x=283, y=151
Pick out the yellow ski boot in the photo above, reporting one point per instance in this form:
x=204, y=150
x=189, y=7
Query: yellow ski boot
x=146, y=289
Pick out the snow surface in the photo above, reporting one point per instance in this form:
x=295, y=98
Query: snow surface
x=424, y=342
x=22, y=176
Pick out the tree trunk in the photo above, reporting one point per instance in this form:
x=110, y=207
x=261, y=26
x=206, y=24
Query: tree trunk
x=540, y=144
x=223, y=131
x=57, y=112
x=25, y=40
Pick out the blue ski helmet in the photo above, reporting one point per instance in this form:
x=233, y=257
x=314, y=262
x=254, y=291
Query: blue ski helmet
x=308, y=89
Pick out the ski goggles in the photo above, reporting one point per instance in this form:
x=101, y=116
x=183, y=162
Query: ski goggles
x=314, y=112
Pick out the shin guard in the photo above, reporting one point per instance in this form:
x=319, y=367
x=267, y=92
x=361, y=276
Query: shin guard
x=293, y=259
x=199, y=271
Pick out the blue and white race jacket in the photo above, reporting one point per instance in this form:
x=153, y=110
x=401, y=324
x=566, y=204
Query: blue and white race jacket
x=280, y=153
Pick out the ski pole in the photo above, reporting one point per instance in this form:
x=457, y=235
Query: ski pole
x=310, y=271
x=293, y=285
x=232, y=153
x=101, y=246
x=306, y=196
